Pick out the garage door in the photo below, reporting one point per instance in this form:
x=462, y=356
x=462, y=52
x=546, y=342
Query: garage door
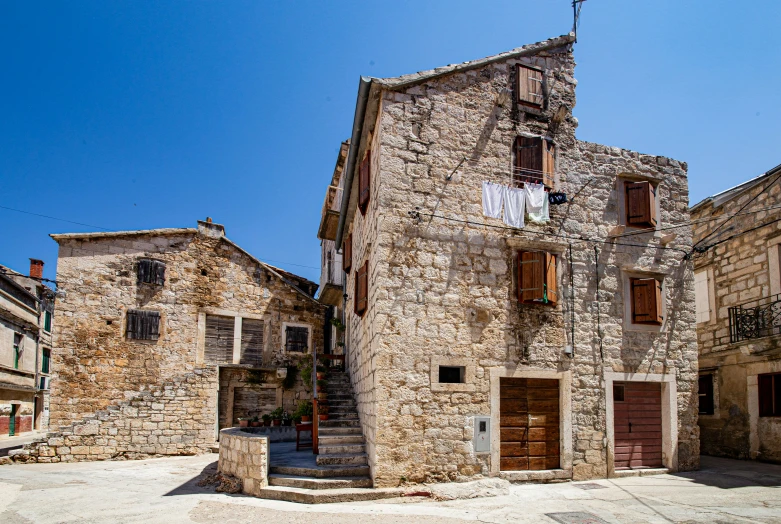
x=637, y=424
x=529, y=424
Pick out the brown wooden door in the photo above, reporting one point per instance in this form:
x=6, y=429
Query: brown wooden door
x=529, y=424
x=637, y=424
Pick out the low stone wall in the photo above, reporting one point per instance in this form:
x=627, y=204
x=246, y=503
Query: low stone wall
x=244, y=455
x=274, y=433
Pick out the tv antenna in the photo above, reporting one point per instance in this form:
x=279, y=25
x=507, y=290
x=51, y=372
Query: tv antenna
x=577, y=5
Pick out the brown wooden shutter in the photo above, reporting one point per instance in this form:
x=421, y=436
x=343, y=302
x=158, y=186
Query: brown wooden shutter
x=218, y=346
x=765, y=393
x=531, y=270
x=251, y=342
x=144, y=270
x=528, y=159
x=362, y=289
x=347, y=253
x=132, y=325
x=551, y=291
x=640, y=204
x=646, y=300
x=548, y=163
x=364, y=183
x=529, y=86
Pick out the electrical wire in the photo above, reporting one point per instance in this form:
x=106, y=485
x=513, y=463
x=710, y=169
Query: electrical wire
x=54, y=218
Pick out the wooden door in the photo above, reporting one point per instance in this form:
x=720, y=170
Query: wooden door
x=12, y=420
x=529, y=424
x=637, y=424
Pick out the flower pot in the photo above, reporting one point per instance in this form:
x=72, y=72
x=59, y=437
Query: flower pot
x=276, y=422
x=243, y=423
x=321, y=375
x=322, y=395
x=323, y=417
x=267, y=423
x=306, y=418
x=254, y=424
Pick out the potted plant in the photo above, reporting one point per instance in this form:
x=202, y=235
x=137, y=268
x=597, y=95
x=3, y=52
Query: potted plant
x=243, y=422
x=254, y=422
x=266, y=419
x=305, y=371
x=321, y=373
x=321, y=384
x=304, y=411
x=276, y=417
x=322, y=412
x=322, y=395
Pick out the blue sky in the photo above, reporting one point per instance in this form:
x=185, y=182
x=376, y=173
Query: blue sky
x=136, y=115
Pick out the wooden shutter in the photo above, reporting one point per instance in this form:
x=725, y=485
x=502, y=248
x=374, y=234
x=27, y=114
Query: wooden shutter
x=151, y=271
x=646, y=300
x=528, y=159
x=531, y=276
x=131, y=322
x=143, y=325
x=551, y=291
x=144, y=270
x=640, y=204
x=347, y=253
x=158, y=269
x=765, y=393
x=218, y=348
x=529, y=86
x=364, y=183
x=362, y=289
x=251, y=342
x=548, y=163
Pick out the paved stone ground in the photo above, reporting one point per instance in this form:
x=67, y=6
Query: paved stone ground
x=165, y=491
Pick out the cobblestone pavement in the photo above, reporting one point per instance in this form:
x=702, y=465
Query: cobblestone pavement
x=165, y=491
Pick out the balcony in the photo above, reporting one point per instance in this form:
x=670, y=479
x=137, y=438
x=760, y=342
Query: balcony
x=331, y=275
x=329, y=220
x=756, y=319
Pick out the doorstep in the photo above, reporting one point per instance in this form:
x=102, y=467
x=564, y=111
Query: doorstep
x=542, y=475
x=645, y=472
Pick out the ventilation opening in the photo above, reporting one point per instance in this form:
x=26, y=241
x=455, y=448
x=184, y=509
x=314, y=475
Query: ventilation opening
x=451, y=374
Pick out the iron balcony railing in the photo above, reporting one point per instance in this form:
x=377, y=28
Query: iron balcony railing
x=755, y=319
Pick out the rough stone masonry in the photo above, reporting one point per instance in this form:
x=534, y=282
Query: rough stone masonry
x=442, y=287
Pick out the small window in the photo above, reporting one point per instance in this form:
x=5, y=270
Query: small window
x=45, y=360
x=347, y=253
x=361, y=301
x=364, y=183
x=251, y=342
x=646, y=301
x=451, y=374
x=151, y=272
x=769, y=395
x=47, y=321
x=297, y=339
x=529, y=87
x=618, y=392
x=143, y=325
x=706, y=394
x=640, y=204
x=537, y=278
x=218, y=346
x=44, y=383
x=534, y=161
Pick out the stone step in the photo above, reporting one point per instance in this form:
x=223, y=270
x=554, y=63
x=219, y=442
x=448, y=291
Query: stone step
x=339, y=423
x=342, y=459
x=322, y=471
x=341, y=431
x=342, y=415
x=294, y=481
x=326, y=496
x=340, y=449
x=339, y=440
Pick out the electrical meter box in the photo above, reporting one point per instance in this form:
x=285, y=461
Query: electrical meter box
x=482, y=440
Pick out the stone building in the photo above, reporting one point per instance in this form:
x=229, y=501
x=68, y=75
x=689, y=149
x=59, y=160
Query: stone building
x=166, y=336
x=26, y=316
x=529, y=352
x=737, y=238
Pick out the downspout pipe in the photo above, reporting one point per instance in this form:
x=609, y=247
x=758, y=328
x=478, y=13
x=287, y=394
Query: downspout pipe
x=355, y=144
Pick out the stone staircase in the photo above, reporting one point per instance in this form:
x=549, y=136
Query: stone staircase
x=340, y=473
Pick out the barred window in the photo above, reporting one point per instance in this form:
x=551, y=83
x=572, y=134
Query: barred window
x=297, y=339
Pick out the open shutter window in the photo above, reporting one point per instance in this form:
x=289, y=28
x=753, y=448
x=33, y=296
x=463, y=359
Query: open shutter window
x=529, y=86
x=347, y=253
x=528, y=160
x=551, y=291
x=362, y=288
x=548, y=163
x=765, y=393
x=531, y=270
x=364, y=183
x=646, y=300
x=640, y=204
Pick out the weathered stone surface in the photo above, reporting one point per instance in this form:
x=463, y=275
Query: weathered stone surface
x=244, y=455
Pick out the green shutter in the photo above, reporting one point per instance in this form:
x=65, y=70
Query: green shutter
x=47, y=321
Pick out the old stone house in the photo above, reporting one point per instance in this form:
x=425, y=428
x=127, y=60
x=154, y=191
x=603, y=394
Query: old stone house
x=557, y=350
x=26, y=320
x=737, y=238
x=166, y=336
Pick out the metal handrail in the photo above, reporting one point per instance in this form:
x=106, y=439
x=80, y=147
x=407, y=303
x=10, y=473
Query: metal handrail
x=315, y=411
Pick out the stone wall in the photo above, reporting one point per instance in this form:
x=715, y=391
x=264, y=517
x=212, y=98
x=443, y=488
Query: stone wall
x=740, y=270
x=444, y=289
x=244, y=455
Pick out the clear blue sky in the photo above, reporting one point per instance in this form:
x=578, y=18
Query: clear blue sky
x=136, y=115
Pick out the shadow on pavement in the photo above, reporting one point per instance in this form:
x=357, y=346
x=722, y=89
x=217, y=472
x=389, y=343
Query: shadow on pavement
x=727, y=473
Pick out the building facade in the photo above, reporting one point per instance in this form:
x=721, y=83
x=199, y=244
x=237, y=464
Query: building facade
x=26, y=321
x=556, y=350
x=167, y=336
x=737, y=238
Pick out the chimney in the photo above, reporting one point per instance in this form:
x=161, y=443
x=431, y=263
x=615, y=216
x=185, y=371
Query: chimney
x=36, y=268
x=210, y=229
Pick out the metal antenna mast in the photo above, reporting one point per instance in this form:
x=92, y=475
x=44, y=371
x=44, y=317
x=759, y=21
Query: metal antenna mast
x=577, y=5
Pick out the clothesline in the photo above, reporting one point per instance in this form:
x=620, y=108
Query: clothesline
x=512, y=204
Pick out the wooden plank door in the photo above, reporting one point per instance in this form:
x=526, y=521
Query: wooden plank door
x=529, y=424
x=12, y=421
x=637, y=425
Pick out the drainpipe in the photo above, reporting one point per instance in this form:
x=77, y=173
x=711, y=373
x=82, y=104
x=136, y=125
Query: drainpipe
x=355, y=143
